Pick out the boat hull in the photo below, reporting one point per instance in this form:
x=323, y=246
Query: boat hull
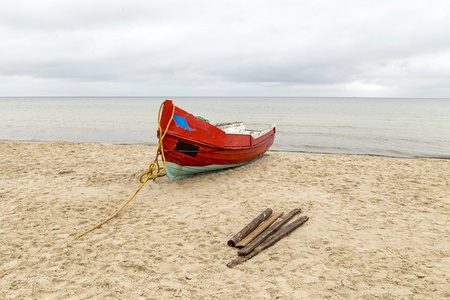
x=192, y=145
x=175, y=172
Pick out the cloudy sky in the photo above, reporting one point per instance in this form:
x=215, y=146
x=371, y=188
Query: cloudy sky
x=300, y=48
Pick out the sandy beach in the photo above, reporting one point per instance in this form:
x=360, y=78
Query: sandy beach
x=378, y=227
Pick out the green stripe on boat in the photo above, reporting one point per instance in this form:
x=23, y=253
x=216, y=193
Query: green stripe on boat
x=174, y=171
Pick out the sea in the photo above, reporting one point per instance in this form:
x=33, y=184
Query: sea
x=388, y=127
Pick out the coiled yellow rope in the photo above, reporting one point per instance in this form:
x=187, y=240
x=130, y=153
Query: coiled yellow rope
x=148, y=174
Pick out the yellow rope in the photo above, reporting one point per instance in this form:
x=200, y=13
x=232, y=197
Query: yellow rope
x=155, y=165
x=6, y=273
x=149, y=174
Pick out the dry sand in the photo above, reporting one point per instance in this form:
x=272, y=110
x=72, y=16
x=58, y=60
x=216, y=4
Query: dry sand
x=379, y=228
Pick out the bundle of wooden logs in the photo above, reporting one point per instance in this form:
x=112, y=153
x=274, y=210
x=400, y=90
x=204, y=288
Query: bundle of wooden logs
x=262, y=232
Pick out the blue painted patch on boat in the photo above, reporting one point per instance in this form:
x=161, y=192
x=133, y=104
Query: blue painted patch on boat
x=181, y=121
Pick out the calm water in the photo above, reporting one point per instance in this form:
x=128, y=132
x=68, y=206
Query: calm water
x=372, y=126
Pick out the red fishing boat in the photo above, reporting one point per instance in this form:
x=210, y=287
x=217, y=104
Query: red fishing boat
x=192, y=145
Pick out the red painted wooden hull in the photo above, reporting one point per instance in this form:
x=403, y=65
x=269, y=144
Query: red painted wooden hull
x=192, y=142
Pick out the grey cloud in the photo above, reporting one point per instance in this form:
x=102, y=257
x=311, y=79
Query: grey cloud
x=227, y=46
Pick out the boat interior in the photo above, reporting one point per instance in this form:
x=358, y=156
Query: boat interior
x=234, y=128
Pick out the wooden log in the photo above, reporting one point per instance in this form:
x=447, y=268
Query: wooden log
x=269, y=242
x=268, y=232
x=249, y=228
x=259, y=229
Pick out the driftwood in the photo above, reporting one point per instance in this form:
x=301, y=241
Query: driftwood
x=268, y=232
x=259, y=229
x=270, y=241
x=249, y=228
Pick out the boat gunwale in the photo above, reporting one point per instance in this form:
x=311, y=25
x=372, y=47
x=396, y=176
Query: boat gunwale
x=262, y=134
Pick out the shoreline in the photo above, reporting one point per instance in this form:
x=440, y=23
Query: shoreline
x=275, y=151
x=377, y=227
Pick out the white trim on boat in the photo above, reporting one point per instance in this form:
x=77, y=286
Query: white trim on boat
x=264, y=132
